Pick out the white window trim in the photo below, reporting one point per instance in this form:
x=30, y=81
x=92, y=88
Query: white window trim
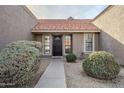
x=92, y=43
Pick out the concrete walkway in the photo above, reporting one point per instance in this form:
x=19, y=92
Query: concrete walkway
x=54, y=76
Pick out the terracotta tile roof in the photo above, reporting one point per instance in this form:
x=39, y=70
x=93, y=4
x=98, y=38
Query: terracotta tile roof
x=65, y=24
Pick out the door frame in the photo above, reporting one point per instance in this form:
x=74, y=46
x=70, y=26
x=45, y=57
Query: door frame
x=61, y=44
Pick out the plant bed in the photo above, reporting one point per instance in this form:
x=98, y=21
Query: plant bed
x=42, y=67
x=101, y=65
x=19, y=62
x=77, y=78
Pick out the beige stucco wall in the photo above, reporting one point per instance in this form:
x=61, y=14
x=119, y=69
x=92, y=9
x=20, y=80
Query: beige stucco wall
x=97, y=41
x=16, y=23
x=77, y=41
x=111, y=23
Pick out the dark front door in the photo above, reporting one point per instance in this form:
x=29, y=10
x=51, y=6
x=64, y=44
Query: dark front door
x=57, y=45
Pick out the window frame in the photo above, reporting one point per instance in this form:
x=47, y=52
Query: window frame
x=67, y=45
x=47, y=44
x=93, y=42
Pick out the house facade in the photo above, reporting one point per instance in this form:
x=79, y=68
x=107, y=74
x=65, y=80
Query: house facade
x=16, y=23
x=62, y=36
x=111, y=24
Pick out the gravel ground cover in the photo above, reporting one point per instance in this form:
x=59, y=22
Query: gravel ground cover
x=76, y=78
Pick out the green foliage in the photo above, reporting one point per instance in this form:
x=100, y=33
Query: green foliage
x=101, y=65
x=71, y=57
x=27, y=43
x=19, y=62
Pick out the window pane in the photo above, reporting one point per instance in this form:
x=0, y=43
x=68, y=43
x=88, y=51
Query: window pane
x=47, y=51
x=47, y=45
x=47, y=48
x=89, y=42
x=47, y=37
x=68, y=49
x=88, y=46
x=68, y=46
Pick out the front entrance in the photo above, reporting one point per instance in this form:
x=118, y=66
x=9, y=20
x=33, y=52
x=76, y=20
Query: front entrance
x=57, y=45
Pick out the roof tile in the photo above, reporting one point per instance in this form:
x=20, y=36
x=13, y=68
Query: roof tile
x=62, y=24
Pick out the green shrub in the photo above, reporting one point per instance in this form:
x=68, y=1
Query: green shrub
x=71, y=57
x=18, y=63
x=27, y=43
x=101, y=65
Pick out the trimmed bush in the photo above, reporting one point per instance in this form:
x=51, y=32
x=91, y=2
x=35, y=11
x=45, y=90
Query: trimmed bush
x=71, y=57
x=27, y=43
x=101, y=65
x=19, y=62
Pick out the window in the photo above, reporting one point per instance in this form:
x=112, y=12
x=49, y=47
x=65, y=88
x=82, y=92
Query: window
x=47, y=44
x=88, y=42
x=68, y=44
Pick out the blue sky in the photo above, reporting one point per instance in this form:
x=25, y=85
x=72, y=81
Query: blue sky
x=65, y=11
